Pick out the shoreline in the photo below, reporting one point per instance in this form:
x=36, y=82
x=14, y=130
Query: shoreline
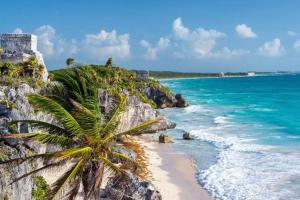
x=173, y=173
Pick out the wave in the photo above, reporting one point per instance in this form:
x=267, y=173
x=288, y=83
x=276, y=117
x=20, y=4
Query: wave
x=242, y=164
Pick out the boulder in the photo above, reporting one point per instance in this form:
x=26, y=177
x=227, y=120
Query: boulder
x=187, y=136
x=163, y=138
x=130, y=187
x=181, y=102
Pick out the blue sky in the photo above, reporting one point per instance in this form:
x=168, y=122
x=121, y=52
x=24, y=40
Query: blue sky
x=198, y=36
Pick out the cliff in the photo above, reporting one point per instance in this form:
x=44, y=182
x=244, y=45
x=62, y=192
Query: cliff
x=14, y=106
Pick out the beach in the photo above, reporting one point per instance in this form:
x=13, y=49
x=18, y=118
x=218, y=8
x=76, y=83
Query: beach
x=173, y=173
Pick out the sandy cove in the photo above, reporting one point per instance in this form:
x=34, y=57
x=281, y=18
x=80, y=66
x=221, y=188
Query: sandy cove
x=173, y=173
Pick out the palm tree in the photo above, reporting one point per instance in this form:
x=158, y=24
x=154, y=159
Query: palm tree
x=109, y=63
x=70, y=61
x=88, y=139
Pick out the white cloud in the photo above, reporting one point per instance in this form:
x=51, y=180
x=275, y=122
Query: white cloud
x=198, y=43
x=297, y=44
x=291, y=33
x=18, y=31
x=107, y=44
x=227, y=53
x=52, y=45
x=245, y=31
x=152, y=52
x=272, y=48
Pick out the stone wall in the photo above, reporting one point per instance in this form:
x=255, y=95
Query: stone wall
x=18, y=42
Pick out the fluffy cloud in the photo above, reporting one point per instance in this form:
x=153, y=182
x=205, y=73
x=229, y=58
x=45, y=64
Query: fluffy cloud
x=151, y=53
x=297, y=45
x=51, y=44
x=18, y=31
x=107, y=44
x=245, y=31
x=199, y=42
x=291, y=33
x=272, y=48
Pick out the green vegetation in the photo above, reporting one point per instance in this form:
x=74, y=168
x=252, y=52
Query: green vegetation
x=88, y=137
x=169, y=74
x=41, y=189
x=116, y=79
x=23, y=72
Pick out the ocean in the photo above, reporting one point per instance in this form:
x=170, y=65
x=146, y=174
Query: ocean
x=247, y=134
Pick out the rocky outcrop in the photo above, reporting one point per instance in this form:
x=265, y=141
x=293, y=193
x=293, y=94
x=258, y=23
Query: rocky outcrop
x=136, y=113
x=164, y=99
x=130, y=187
x=23, y=188
x=15, y=106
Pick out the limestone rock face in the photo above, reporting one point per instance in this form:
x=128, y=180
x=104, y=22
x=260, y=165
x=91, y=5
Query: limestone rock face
x=23, y=188
x=15, y=106
x=164, y=100
x=136, y=113
x=130, y=187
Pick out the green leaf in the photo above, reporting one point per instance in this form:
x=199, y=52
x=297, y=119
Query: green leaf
x=61, y=114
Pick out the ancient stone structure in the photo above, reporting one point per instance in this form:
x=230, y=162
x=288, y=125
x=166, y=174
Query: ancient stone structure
x=19, y=47
x=143, y=74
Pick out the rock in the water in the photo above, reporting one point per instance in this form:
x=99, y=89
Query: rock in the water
x=163, y=99
x=163, y=138
x=130, y=187
x=181, y=102
x=187, y=136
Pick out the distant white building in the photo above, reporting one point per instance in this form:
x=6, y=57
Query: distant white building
x=251, y=73
x=222, y=74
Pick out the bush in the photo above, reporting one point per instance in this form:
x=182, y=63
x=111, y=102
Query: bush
x=41, y=188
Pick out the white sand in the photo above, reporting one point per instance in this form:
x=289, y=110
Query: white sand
x=174, y=174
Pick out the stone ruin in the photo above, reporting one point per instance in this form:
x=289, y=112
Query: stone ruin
x=19, y=47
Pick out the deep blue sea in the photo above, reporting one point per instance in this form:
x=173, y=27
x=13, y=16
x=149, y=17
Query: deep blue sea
x=247, y=132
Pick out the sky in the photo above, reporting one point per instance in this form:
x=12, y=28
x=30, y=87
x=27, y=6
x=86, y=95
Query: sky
x=174, y=35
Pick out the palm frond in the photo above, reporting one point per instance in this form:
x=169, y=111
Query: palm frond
x=73, y=152
x=89, y=121
x=47, y=138
x=111, y=125
x=138, y=129
x=61, y=114
x=36, y=171
x=133, y=131
x=51, y=128
x=110, y=165
x=65, y=179
x=26, y=158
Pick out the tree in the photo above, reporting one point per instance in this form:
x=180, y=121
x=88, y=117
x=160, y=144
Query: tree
x=109, y=63
x=88, y=139
x=70, y=61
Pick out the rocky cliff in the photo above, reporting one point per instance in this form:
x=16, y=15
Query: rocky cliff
x=14, y=106
x=164, y=99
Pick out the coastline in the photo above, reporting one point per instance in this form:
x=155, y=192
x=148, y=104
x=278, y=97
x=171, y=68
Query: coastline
x=174, y=174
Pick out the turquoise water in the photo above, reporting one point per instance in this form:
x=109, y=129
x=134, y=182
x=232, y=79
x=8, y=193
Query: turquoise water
x=247, y=132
